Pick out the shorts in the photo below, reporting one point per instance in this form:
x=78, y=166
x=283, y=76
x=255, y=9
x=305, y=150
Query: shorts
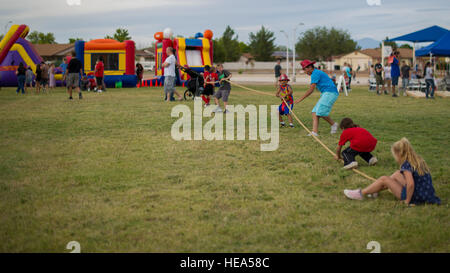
x=44, y=82
x=72, y=80
x=223, y=94
x=285, y=110
x=325, y=103
x=394, y=81
x=379, y=80
x=169, y=84
x=99, y=80
x=209, y=90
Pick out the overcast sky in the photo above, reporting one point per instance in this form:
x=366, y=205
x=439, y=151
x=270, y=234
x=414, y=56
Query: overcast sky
x=94, y=19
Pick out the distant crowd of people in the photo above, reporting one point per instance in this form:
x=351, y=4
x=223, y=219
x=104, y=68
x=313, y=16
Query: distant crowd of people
x=388, y=76
x=72, y=76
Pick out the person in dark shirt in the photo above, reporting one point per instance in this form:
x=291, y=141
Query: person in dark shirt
x=72, y=77
x=21, y=78
x=277, y=72
x=379, y=78
x=405, y=76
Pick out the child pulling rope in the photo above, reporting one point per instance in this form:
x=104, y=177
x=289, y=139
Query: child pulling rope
x=303, y=125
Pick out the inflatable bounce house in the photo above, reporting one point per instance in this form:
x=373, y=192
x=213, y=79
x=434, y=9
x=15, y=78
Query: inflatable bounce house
x=118, y=59
x=14, y=49
x=196, y=53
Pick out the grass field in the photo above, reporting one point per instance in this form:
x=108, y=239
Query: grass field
x=105, y=172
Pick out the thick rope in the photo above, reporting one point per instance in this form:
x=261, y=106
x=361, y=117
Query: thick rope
x=304, y=127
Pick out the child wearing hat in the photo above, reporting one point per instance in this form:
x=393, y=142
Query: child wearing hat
x=328, y=97
x=285, y=91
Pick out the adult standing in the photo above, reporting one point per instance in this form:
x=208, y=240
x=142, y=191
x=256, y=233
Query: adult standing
x=21, y=78
x=170, y=75
x=405, y=76
x=429, y=80
x=28, y=78
x=388, y=77
x=379, y=78
x=99, y=72
x=139, y=72
x=328, y=97
x=277, y=70
x=395, y=72
x=44, y=76
x=72, y=77
x=38, y=78
x=63, y=66
x=52, y=71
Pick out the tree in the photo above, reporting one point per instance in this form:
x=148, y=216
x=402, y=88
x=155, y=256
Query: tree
x=73, y=40
x=406, y=46
x=262, y=44
x=37, y=37
x=219, y=51
x=390, y=43
x=320, y=43
x=120, y=35
x=230, y=44
x=244, y=48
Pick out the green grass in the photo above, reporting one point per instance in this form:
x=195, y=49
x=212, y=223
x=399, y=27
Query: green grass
x=105, y=172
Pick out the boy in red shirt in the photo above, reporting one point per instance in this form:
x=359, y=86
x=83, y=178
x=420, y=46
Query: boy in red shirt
x=361, y=143
x=210, y=77
x=99, y=70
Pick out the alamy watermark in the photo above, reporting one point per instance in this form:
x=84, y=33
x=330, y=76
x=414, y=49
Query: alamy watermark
x=374, y=2
x=73, y=2
x=213, y=129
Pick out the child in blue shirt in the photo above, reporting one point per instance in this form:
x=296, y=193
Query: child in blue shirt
x=328, y=97
x=411, y=184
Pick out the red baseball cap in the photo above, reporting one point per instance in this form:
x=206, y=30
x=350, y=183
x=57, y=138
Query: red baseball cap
x=306, y=63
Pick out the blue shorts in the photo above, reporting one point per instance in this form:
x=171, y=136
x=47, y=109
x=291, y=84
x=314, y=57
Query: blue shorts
x=395, y=81
x=325, y=103
x=284, y=110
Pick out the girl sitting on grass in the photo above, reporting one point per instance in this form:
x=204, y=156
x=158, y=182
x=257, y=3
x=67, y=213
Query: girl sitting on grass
x=411, y=184
x=361, y=143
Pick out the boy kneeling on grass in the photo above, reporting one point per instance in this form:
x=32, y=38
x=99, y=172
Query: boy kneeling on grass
x=411, y=184
x=361, y=143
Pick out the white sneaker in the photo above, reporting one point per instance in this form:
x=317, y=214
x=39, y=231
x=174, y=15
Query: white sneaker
x=334, y=128
x=99, y=91
x=373, y=161
x=313, y=134
x=354, y=194
x=217, y=110
x=351, y=165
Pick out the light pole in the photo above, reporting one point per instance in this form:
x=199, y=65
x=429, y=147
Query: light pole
x=6, y=26
x=293, y=56
x=287, y=52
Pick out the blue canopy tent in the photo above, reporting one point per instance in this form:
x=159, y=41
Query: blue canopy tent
x=438, y=48
x=430, y=34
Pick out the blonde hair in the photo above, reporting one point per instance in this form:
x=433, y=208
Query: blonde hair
x=403, y=151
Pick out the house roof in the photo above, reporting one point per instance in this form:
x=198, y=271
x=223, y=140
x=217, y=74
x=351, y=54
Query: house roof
x=49, y=50
x=144, y=52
